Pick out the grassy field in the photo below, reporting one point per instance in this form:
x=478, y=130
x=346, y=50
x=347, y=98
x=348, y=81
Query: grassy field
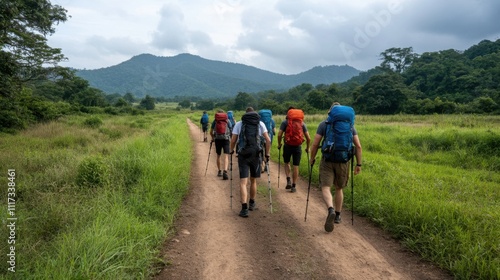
x=95, y=196
x=434, y=182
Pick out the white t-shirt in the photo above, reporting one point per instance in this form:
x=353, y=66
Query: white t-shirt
x=237, y=128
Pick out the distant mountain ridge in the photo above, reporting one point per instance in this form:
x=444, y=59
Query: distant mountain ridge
x=191, y=75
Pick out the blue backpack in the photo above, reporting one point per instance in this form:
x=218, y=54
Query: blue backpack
x=204, y=119
x=266, y=117
x=230, y=116
x=337, y=144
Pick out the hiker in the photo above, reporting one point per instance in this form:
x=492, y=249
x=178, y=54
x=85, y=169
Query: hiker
x=220, y=131
x=204, y=125
x=266, y=116
x=246, y=137
x=335, y=172
x=295, y=130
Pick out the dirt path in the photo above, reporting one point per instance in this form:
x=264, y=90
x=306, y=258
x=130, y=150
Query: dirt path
x=213, y=242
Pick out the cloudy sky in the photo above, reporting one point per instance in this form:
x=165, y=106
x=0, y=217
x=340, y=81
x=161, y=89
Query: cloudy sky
x=283, y=36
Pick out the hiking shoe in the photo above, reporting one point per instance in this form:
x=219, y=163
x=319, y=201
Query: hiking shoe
x=224, y=175
x=219, y=174
x=329, y=220
x=338, y=219
x=252, y=206
x=293, y=188
x=244, y=213
x=288, y=184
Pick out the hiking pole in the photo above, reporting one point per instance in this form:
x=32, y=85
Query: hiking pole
x=352, y=190
x=269, y=186
x=209, y=150
x=231, y=175
x=309, y=187
x=279, y=165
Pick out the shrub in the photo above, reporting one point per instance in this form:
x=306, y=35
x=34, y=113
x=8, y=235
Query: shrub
x=93, y=122
x=92, y=172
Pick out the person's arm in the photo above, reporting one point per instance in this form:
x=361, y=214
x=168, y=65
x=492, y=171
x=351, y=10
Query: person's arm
x=315, y=147
x=308, y=141
x=232, y=145
x=280, y=137
x=212, y=130
x=358, y=153
x=268, y=145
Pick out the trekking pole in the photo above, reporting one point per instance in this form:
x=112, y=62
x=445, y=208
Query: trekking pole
x=352, y=191
x=279, y=166
x=269, y=186
x=309, y=187
x=231, y=175
x=209, y=150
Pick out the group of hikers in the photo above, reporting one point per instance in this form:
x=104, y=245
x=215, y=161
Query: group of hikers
x=251, y=140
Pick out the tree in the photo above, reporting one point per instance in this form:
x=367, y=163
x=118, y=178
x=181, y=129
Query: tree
x=129, y=97
x=383, y=94
x=24, y=53
x=185, y=103
x=147, y=103
x=243, y=100
x=397, y=59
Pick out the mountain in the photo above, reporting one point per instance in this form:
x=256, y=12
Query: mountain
x=191, y=75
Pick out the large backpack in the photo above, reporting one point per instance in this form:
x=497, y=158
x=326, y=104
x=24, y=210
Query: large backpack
x=249, y=139
x=294, y=134
x=230, y=116
x=337, y=144
x=204, y=119
x=222, y=127
x=266, y=116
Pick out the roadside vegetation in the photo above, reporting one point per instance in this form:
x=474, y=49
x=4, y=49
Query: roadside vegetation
x=432, y=181
x=96, y=196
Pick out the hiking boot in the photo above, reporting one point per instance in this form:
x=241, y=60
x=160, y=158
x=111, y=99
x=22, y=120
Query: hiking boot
x=219, y=174
x=244, y=213
x=338, y=219
x=293, y=188
x=252, y=206
x=224, y=175
x=288, y=184
x=329, y=220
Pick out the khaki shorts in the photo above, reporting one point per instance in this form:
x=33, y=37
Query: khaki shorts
x=333, y=174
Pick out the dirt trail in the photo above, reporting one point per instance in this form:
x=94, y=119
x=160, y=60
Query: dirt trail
x=213, y=242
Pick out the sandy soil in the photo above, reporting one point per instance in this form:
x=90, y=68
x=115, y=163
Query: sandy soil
x=213, y=242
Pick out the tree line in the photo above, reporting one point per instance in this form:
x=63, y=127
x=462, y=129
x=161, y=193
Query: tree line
x=443, y=82
x=33, y=88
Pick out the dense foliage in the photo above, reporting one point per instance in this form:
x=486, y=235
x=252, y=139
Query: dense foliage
x=447, y=81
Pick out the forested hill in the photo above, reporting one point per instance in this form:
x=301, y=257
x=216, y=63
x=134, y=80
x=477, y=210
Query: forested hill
x=190, y=75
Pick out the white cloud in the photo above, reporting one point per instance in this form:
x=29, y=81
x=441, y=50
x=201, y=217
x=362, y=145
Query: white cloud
x=277, y=35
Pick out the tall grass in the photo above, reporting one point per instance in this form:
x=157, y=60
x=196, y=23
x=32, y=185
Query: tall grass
x=95, y=202
x=433, y=182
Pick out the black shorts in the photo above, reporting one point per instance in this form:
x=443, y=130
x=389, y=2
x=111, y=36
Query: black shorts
x=204, y=127
x=251, y=164
x=221, y=144
x=289, y=151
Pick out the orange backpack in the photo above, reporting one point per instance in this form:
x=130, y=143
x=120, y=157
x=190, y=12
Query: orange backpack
x=294, y=134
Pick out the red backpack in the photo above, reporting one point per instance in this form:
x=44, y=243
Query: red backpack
x=222, y=130
x=294, y=134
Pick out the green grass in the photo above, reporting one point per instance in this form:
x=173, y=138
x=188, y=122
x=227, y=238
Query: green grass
x=433, y=182
x=95, y=202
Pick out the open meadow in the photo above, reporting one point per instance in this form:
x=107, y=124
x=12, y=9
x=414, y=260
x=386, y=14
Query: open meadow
x=96, y=196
